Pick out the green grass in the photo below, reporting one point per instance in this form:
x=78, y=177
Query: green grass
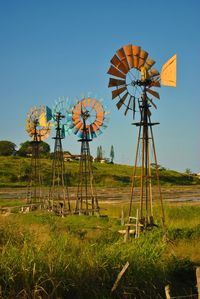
x=45, y=256
x=14, y=172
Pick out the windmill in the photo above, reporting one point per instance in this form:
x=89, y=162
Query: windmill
x=134, y=82
x=88, y=119
x=59, y=189
x=38, y=129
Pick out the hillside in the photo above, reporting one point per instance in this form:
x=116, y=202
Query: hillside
x=14, y=172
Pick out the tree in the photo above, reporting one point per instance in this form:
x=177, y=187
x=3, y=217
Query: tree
x=7, y=148
x=100, y=153
x=112, y=154
x=188, y=171
x=26, y=148
x=99, y=156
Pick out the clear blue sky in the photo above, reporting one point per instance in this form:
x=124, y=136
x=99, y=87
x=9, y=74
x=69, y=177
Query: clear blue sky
x=63, y=48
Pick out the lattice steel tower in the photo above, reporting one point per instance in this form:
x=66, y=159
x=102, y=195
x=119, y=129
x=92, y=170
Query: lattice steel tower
x=59, y=193
x=38, y=129
x=88, y=118
x=133, y=85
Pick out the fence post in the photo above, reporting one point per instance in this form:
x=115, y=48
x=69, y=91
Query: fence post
x=198, y=281
x=122, y=217
x=167, y=292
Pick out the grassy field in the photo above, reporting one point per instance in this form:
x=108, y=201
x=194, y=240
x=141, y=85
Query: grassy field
x=14, y=172
x=45, y=256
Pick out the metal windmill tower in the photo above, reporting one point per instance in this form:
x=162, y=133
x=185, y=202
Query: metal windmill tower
x=133, y=83
x=38, y=129
x=88, y=120
x=59, y=188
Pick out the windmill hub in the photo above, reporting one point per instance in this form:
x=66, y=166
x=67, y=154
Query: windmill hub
x=86, y=115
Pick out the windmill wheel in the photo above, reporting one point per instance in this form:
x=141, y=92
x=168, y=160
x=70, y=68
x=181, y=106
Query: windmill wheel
x=61, y=111
x=132, y=71
x=88, y=118
x=36, y=125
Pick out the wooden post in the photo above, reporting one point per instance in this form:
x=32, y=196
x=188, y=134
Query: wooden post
x=167, y=292
x=127, y=235
x=122, y=217
x=137, y=225
x=119, y=276
x=198, y=281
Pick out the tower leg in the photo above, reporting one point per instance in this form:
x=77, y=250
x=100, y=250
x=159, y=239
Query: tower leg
x=86, y=202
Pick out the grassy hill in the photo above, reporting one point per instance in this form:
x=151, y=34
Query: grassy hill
x=14, y=172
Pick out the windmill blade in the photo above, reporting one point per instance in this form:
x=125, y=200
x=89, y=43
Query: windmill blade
x=151, y=101
x=78, y=125
x=122, y=100
x=92, y=131
x=100, y=117
x=142, y=58
x=76, y=116
x=123, y=58
x=80, y=134
x=127, y=108
x=115, y=61
x=89, y=101
x=93, y=135
x=119, y=64
x=168, y=72
x=136, y=53
x=134, y=106
x=149, y=63
x=115, y=72
x=94, y=127
x=99, y=132
x=153, y=93
x=99, y=109
x=116, y=82
x=93, y=102
x=129, y=55
x=98, y=123
x=154, y=72
x=116, y=92
x=123, y=67
x=84, y=102
x=42, y=119
x=63, y=131
x=155, y=83
x=48, y=114
x=75, y=130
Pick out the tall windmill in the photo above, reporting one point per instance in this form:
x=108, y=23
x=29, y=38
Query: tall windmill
x=59, y=188
x=88, y=120
x=133, y=80
x=38, y=129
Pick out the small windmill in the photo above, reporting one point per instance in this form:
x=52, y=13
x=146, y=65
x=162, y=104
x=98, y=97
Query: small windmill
x=38, y=129
x=59, y=188
x=134, y=80
x=88, y=120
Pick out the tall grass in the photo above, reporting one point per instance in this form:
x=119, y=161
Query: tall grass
x=44, y=256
